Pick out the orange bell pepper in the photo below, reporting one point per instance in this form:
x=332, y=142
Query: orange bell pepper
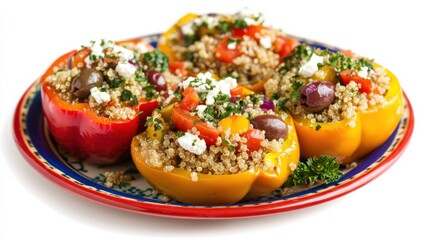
x=222, y=189
x=351, y=139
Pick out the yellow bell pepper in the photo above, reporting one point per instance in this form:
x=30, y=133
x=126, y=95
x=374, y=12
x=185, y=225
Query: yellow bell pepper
x=171, y=36
x=349, y=140
x=235, y=124
x=222, y=189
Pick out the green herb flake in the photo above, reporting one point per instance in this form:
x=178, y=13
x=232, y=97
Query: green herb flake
x=180, y=134
x=156, y=60
x=117, y=82
x=126, y=95
x=223, y=26
x=228, y=145
x=239, y=23
x=134, y=100
x=318, y=127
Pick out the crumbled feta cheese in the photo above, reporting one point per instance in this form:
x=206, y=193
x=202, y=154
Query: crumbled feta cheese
x=192, y=143
x=308, y=69
x=210, y=21
x=324, y=90
x=186, y=82
x=232, y=45
x=141, y=48
x=205, y=83
x=251, y=17
x=125, y=69
x=200, y=110
x=123, y=53
x=265, y=41
x=188, y=28
x=99, y=96
x=363, y=73
x=96, y=53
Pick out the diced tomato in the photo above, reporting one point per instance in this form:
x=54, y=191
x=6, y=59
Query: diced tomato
x=365, y=84
x=178, y=68
x=184, y=121
x=78, y=60
x=254, y=139
x=254, y=31
x=284, y=46
x=190, y=99
x=225, y=54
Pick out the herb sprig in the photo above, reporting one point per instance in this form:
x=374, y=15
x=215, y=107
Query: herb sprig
x=323, y=168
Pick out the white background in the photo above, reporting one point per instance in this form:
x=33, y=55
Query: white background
x=395, y=205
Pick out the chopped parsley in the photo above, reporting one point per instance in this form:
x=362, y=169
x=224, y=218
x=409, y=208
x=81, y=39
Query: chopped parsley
x=228, y=144
x=234, y=40
x=178, y=94
x=341, y=63
x=117, y=82
x=323, y=168
x=188, y=55
x=300, y=52
x=156, y=60
x=180, y=134
x=223, y=26
x=150, y=92
x=140, y=77
x=239, y=23
x=157, y=123
x=318, y=127
x=126, y=95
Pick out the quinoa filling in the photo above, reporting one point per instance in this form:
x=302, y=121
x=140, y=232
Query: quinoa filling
x=238, y=45
x=224, y=133
x=112, y=78
x=323, y=86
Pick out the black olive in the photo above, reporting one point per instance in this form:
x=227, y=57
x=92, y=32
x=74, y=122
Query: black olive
x=87, y=79
x=274, y=126
x=317, y=96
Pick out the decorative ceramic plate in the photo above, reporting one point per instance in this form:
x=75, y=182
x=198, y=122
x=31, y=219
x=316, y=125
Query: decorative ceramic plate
x=41, y=151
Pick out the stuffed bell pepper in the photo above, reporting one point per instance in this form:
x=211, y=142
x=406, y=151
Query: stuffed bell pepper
x=343, y=105
x=237, y=45
x=96, y=99
x=216, y=142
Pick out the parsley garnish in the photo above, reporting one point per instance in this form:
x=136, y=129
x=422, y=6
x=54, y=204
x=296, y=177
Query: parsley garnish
x=223, y=26
x=341, y=63
x=302, y=51
x=180, y=134
x=140, y=77
x=318, y=127
x=156, y=60
x=178, y=94
x=150, y=92
x=126, y=95
x=323, y=168
x=117, y=82
x=234, y=40
x=228, y=145
x=239, y=23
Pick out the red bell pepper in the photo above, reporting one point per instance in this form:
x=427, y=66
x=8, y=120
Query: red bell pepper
x=81, y=132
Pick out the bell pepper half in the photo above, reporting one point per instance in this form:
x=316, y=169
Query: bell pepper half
x=222, y=189
x=351, y=139
x=282, y=45
x=81, y=132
